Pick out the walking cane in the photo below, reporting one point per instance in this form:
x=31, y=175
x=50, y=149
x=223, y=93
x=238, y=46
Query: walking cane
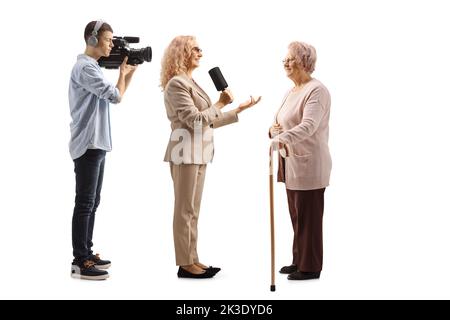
x=272, y=223
x=284, y=152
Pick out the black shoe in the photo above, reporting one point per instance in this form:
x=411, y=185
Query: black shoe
x=299, y=275
x=212, y=270
x=86, y=271
x=288, y=269
x=182, y=273
x=99, y=263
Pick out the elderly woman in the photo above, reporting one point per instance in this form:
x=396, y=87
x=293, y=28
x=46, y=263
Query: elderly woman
x=193, y=118
x=300, y=133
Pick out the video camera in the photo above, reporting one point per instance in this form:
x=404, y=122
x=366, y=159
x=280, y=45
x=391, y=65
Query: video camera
x=121, y=50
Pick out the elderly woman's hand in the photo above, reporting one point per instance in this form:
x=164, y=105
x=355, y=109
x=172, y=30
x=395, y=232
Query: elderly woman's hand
x=276, y=129
x=247, y=104
x=282, y=148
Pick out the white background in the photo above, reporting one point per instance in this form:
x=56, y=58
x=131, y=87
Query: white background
x=386, y=222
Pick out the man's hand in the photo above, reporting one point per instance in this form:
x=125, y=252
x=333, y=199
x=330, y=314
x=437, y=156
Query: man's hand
x=125, y=75
x=127, y=69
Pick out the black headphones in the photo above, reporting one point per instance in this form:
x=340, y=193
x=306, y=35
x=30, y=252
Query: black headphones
x=93, y=38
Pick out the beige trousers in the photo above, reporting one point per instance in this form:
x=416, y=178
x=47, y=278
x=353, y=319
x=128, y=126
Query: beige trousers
x=188, y=182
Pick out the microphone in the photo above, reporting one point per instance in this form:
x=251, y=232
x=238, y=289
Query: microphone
x=218, y=79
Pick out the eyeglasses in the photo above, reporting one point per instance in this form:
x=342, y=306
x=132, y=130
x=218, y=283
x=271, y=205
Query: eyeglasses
x=288, y=60
x=197, y=49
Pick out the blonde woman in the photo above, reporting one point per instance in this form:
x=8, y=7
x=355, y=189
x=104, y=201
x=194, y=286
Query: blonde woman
x=193, y=117
x=301, y=130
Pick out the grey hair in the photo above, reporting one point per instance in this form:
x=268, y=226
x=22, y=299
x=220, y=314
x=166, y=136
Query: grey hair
x=304, y=54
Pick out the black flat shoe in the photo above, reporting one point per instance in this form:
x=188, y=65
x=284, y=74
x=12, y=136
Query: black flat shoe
x=299, y=275
x=182, y=273
x=288, y=269
x=212, y=270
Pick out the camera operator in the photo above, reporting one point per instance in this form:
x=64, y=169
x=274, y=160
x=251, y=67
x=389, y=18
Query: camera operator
x=89, y=97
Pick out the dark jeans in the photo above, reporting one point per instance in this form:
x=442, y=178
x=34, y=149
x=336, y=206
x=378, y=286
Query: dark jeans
x=306, y=209
x=89, y=177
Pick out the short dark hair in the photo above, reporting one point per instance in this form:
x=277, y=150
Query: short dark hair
x=90, y=27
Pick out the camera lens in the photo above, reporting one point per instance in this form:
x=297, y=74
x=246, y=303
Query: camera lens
x=147, y=54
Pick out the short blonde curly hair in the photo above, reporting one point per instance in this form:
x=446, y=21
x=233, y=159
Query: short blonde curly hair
x=304, y=54
x=177, y=58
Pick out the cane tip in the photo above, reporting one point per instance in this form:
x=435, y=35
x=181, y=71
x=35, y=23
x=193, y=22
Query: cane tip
x=272, y=288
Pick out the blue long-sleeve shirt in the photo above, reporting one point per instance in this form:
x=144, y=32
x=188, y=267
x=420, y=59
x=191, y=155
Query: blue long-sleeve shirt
x=89, y=97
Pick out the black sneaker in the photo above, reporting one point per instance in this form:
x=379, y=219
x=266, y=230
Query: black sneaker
x=87, y=271
x=99, y=263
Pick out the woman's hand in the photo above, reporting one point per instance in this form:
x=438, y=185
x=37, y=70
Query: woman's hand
x=247, y=104
x=226, y=97
x=282, y=148
x=276, y=129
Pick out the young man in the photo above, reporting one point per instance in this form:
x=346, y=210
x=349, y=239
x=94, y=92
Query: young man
x=89, y=97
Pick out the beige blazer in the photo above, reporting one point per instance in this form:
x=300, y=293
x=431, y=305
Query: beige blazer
x=304, y=117
x=192, y=117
